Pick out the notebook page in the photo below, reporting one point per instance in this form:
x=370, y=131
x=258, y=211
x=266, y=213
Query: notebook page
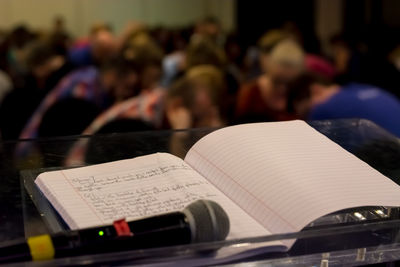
x=133, y=189
x=286, y=174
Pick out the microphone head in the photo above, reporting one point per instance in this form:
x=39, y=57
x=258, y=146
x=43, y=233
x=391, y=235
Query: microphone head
x=207, y=220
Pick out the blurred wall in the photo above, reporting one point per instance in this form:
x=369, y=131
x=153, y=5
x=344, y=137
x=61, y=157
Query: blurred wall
x=328, y=20
x=80, y=14
x=257, y=17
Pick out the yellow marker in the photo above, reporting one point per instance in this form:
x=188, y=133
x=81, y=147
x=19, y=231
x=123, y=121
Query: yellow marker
x=41, y=247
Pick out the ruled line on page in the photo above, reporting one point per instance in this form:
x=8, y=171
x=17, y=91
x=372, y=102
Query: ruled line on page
x=290, y=167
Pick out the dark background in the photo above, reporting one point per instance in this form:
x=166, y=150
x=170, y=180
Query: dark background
x=373, y=21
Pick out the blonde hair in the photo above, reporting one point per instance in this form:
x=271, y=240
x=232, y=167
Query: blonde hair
x=211, y=78
x=271, y=38
x=208, y=76
x=288, y=53
x=143, y=51
x=203, y=50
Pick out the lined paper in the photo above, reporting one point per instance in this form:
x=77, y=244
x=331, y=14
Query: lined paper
x=133, y=189
x=286, y=174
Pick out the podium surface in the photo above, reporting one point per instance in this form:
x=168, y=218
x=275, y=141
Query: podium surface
x=351, y=237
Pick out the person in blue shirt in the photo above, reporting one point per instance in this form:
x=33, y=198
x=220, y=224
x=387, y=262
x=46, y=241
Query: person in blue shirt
x=312, y=98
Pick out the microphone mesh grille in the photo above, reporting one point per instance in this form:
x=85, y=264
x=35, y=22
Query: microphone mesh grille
x=210, y=222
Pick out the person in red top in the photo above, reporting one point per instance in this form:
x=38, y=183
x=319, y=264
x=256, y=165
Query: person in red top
x=264, y=99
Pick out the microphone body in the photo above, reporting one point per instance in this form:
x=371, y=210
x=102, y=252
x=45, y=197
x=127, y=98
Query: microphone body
x=201, y=221
x=163, y=230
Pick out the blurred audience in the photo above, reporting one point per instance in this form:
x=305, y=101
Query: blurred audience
x=197, y=76
x=100, y=46
x=100, y=86
x=145, y=54
x=197, y=99
x=209, y=27
x=45, y=69
x=142, y=112
x=314, y=98
x=264, y=99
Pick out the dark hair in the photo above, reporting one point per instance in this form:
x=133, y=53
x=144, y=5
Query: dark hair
x=181, y=88
x=143, y=51
x=299, y=88
x=120, y=65
x=69, y=116
x=203, y=51
x=38, y=54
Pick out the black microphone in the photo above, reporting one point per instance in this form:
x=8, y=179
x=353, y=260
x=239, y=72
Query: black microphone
x=201, y=221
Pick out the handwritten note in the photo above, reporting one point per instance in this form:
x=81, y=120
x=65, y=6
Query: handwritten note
x=133, y=189
x=91, y=183
x=143, y=201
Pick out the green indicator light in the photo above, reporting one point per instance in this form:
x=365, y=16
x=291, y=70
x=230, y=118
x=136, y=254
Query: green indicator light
x=101, y=233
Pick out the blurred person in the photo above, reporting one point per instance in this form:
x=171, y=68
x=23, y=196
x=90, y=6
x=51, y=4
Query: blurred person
x=102, y=45
x=163, y=38
x=141, y=112
x=173, y=65
x=59, y=37
x=252, y=63
x=16, y=50
x=180, y=38
x=381, y=49
x=313, y=61
x=3, y=34
x=314, y=98
x=147, y=107
x=235, y=67
x=264, y=99
x=358, y=60
x=391, y=72
x=59, y=25
x=6, y=85
x=46, y=68
x=307, y=39
x=318, y=64
x=130, y=30
x=95, y=28
x=148, y=56
x=347, y=59
x=289, y=30
x=235, y=56
x=174, y=62
x=143, y=101
x=69, y=116
x=4, y=45
x=202, y=50
x=196, y=100
x=46, y=65
x=209, y=27
x=102, y=87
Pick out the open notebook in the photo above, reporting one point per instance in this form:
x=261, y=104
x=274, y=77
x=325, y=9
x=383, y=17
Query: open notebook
x=269, y=177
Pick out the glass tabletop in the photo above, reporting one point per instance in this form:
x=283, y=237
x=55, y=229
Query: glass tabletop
x=365, y=235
